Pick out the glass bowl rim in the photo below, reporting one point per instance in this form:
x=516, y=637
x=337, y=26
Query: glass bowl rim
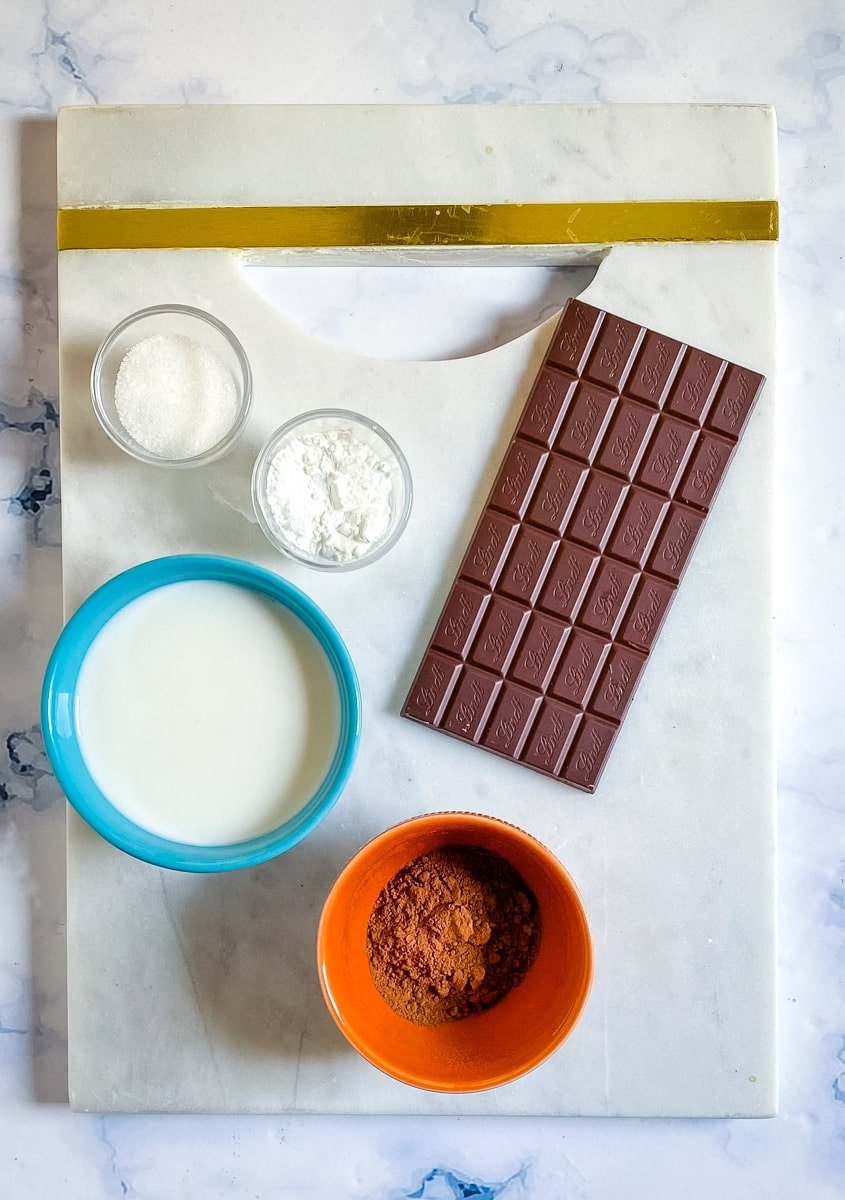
x=258, y=487
x=114, y=432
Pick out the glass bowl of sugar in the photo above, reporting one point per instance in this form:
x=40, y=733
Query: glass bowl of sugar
x=172, y=386
x=332, y=490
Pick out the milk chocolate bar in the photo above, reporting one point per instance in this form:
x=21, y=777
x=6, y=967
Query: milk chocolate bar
x=571, y=570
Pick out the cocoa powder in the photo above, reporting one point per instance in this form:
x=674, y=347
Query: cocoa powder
x=451, y=934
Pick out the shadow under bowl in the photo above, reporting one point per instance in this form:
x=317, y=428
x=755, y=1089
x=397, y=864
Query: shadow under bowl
x=59, y=714
x=489, y=1048
x=169, y=320
x=324, y=420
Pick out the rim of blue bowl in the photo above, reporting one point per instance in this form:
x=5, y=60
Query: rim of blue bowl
x=58, y=713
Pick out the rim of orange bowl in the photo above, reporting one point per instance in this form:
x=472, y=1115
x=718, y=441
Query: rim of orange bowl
x=419, y=1080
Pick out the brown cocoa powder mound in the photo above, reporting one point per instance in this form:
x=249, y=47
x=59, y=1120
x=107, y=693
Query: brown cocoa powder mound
x=451, y=934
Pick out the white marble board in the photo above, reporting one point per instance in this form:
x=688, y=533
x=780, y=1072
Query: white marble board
x=200, y=994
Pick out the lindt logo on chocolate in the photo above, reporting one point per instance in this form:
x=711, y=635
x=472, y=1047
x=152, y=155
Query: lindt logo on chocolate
x=547, y=743
x=577, y=672
x=652, y=372
x=616, y=687
x=666, y=459
x=606, y=601
x=695, y=387
x=703, y=477
x=645, y=618
x=563, y=588
x=673, y=551
x=428, y=695
x=582, y=427
x=507, y=728
x=589, y=755
x=637, y=531
x=467, y=710
x=512, y=485
x=544, y=411
x=621, y=448
x=594, y=517
x=498, y=640
x=538, y=654
x=486, y=555
x=613, y=353
x=457, y=624
x=572, y=338
x=523, y=572
x=555, y=498
x=733, y=407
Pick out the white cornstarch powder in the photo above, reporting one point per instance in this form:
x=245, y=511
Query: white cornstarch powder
x=174, y=396
x=330, y=494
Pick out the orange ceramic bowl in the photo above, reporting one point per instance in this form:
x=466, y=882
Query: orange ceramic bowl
x=489, y=1048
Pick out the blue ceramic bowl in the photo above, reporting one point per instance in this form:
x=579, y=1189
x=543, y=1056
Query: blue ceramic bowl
x=59, y=714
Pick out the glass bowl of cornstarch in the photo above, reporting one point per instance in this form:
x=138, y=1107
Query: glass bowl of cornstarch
x=172, y=386
x=332, y=490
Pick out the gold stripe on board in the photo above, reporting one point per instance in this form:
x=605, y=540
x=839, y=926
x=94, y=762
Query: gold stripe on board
x=342, y=226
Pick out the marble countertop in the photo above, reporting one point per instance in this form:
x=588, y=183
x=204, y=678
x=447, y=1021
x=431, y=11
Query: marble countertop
x=55, y=53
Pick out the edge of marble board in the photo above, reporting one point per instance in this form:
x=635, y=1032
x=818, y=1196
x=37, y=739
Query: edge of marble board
x=393, y=154
x=617, y=292
x=593, y=295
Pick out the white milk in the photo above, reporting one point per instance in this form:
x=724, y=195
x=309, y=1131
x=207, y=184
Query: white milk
x=207, y=714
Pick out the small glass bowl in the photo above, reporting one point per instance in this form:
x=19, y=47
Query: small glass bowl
x=169, y=319
x=318, y=421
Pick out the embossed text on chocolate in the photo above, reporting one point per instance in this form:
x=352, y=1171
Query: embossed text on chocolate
x=664, y=460
x=618, y=456
x=588, y=756
x=614, y=351
x=702, y=480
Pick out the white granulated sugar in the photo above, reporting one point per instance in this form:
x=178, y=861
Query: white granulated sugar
x=174, y=396
x=330, y=494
